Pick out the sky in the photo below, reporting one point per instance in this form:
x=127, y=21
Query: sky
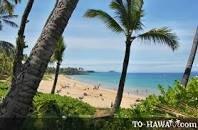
x=94, y=47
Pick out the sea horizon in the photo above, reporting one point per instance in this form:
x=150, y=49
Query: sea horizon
x=137, y=72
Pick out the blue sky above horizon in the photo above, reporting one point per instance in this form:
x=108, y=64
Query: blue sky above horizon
x=94, y=47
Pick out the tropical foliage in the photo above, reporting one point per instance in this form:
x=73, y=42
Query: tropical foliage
x=58, y=112
x=58, y=57
x=67, y=71
x=5, y=66
x=59, y=50
x=7, y=48
x=176, y=101
x=8, y=5
x=38, y=60
x=49, y=111
x=7, y=51
x=127, y=19
x=6, y=18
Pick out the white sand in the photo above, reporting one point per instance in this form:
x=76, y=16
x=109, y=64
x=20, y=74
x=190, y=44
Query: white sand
x=100, y=98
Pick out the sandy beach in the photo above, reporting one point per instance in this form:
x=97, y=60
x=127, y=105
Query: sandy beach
x=95, y=96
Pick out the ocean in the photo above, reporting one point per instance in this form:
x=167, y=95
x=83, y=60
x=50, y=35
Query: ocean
x=145, y=83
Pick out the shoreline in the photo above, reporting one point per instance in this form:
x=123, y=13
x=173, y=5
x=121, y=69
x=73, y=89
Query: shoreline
x=96, y=96
x=143, y=92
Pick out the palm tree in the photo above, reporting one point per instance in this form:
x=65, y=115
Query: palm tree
x=20, y=41
x=6, y=19
x=190, y=62
x=8, y=5
x=58, y=57
x=7, y=47
x=18, y=100
x=127, y=20
x=7, y=52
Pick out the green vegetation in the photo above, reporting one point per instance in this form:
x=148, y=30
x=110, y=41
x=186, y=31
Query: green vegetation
x=68, y=113
x=46, y=111
x=49, y=110
x=67, y=71
x=69, y=106
x=47, y=76
x=3, y=89
x=58, y=58
x=6, y=65
x=8, y=5
x=6, y=18
x=174, y=102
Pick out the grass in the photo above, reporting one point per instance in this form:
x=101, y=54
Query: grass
x=47, y=76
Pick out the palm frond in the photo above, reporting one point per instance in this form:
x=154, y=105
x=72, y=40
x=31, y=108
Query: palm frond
x=136, y=13
x=11, y=23
x=2, y=10
x=136, y=5
x=162, y=35
x=8, y=16
x=120, y=12
x=7, y=6
x=7, y=47
x=129, y=13
x=106, y=18
x=59, y=50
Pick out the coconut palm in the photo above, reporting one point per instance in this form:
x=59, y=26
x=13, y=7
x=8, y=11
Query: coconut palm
x=7, y=48
x=128, y=20
x=191, y=59
x=7, y=51
x=18, y=101
x=8, y=5
x=58, y=57
x=20, y=41
x=5, y=65
x=5, y=18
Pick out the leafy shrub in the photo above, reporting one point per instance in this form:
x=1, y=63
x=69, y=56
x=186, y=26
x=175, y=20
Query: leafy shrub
x=53, y=111
x=69, y=106
x=176, y=101
x=58, y=112
x=3, y=90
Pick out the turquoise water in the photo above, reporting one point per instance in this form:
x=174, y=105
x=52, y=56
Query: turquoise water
x=135, y=81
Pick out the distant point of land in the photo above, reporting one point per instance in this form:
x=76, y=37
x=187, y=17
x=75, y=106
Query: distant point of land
x=90, y=71
x=112, y=71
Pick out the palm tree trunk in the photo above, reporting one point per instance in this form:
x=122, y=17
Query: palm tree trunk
x=18, y=101
x=20, y=42
x=52, y=12
x=191, y=59
x=56, y=77
x=123, y=77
